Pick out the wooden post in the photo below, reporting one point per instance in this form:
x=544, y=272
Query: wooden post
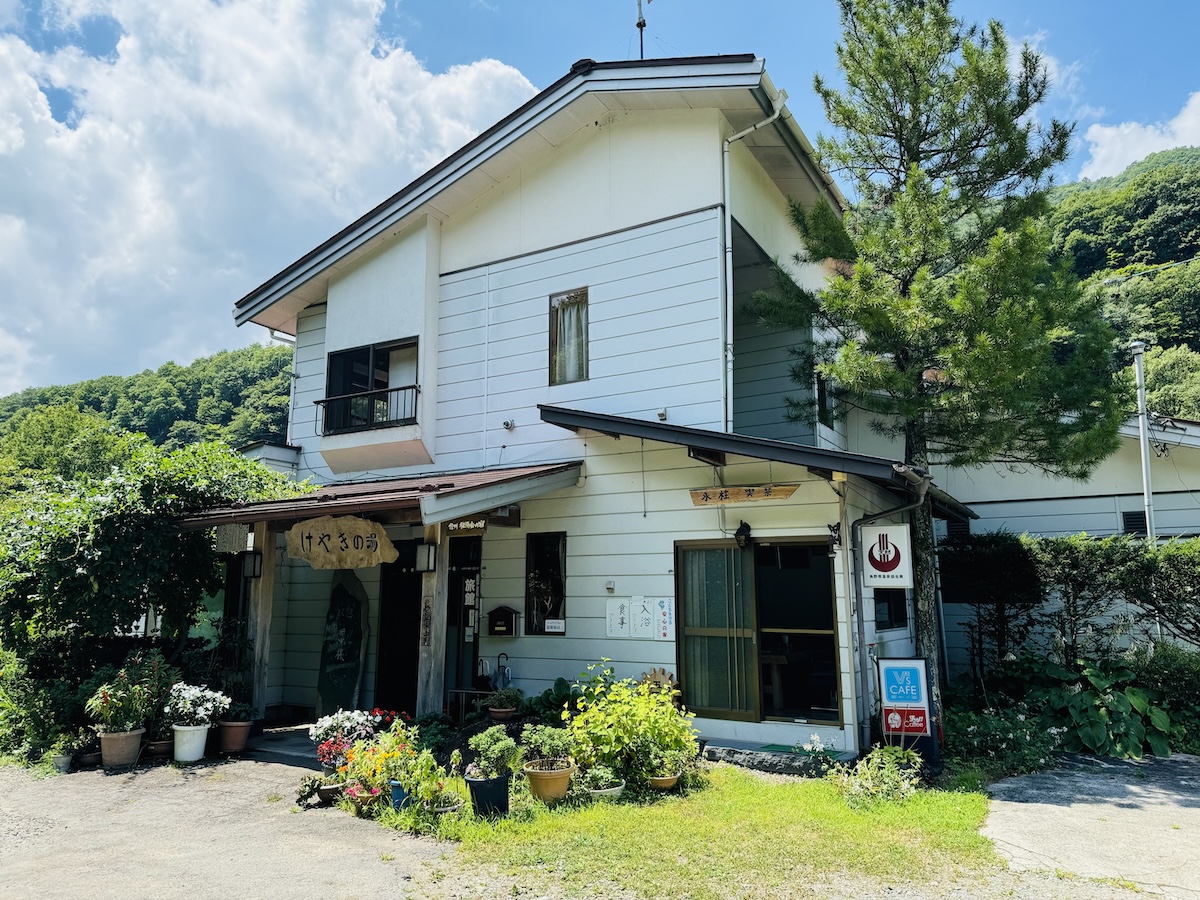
x=262, y=596
x=431, y=671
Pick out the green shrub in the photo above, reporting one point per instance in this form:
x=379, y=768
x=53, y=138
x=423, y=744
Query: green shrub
x=1102, y=710
x=1173, y=671
x=632, y=727
x=551, y=702
x=879, y=777
x=436, y=731
x=546, y=742
x=496, y=753
x=1009, y=740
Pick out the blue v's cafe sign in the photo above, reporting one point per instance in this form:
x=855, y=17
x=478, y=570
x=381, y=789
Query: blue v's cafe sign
x=904, y=696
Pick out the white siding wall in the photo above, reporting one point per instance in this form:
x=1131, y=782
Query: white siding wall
x=653, y=329
x=762, y=379
x=616, y=172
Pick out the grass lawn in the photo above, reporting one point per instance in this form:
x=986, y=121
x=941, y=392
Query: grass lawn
x=744, y=836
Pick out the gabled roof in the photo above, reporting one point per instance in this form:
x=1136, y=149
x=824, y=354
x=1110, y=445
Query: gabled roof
x=737, y=85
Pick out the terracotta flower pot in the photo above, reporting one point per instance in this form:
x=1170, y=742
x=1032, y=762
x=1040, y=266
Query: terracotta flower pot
x=548, y=778
x=663, y=782
x=160, y=749
x=232, y=736
x=499, y=714
x=120, y=748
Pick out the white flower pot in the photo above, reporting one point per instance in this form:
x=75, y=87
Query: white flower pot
x=189, y=742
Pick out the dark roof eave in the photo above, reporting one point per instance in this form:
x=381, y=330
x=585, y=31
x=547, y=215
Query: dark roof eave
x=872, y=467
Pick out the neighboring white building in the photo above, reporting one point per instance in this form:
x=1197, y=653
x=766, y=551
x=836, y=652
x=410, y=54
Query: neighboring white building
x=535, y=359
x=1024, y=500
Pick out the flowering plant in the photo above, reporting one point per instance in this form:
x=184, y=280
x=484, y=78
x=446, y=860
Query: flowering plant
x=120, y=705
x=190, y=704
x=348, y=724
x=332, y=752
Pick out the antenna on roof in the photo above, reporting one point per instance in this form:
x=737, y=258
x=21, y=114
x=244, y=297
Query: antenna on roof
x=641, y=27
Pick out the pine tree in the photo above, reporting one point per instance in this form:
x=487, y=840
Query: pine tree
x=945, y=323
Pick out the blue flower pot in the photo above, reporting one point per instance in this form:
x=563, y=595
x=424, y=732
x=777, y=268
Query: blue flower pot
x=400, y=797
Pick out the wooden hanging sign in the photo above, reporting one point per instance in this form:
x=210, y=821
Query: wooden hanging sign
x=717, y=496
x=345, y=542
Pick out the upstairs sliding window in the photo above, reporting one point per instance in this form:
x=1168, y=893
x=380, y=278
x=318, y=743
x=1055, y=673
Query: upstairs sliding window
x=371, y=387
x=569, y=336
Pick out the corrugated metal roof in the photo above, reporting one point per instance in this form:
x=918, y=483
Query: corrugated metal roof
x=370, y=496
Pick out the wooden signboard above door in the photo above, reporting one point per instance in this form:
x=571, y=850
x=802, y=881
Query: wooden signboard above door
x=716, y=496
x=344, y=542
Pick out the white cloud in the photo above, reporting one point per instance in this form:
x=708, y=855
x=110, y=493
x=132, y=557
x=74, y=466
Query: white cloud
x=1113, y=147
x=220, y=142
x=1065, y=79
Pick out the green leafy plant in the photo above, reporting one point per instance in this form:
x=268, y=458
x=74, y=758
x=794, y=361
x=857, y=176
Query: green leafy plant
x=1103, y=711
x=503, y=698
x=1174, y=671
x=436, y=730
x=600, y=778
x=877, y=778
x=547, y=742
x=819, y=756
x=496, y=753
x=119, y=705
x=551, y=703
x=628, y=726
x=1003, y=740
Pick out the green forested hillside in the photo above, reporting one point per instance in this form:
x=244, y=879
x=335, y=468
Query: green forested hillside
x=1144, y=220
x=237, y=396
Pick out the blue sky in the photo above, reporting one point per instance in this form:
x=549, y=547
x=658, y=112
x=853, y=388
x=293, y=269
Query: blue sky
x=160, y=158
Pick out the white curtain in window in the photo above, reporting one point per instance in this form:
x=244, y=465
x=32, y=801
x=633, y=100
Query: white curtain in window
x=570, y=338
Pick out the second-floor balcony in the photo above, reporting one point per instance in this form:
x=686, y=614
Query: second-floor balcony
x=368, y=409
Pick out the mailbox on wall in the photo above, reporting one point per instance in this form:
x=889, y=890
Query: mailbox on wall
x=502, y=621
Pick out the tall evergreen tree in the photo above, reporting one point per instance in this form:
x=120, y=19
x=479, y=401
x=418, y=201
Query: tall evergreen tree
x=945, y=324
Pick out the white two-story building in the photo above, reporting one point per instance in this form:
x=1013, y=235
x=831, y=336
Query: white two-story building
x=531, y=369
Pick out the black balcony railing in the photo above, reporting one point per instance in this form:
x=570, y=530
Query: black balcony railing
x=369, y=409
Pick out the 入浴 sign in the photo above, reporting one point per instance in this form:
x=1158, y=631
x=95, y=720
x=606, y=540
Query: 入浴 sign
x=344, y=542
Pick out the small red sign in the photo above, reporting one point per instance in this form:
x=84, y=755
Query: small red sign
x=905, y=720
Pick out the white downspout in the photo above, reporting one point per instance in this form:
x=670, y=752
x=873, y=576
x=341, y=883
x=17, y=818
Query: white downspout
x=727, y=240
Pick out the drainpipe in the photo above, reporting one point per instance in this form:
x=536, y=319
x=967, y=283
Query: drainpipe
x=727, y=241
x=920, y=482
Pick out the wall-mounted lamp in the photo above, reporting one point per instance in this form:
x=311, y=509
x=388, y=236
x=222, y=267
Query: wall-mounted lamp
x=742, y=535
x=252, y=564
x=426, y=558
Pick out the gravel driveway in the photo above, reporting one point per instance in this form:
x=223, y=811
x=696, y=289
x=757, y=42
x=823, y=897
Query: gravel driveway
x=230, y=829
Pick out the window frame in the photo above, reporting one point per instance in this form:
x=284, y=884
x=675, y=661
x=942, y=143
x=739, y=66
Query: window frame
x=371, y=393
x=894, y=599
x=556, y=301
x=555, y=581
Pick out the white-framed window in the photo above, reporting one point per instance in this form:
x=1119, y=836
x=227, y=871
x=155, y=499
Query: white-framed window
x=569, y=336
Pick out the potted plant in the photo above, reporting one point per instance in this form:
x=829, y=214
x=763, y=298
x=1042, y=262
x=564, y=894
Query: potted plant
x=502, y=704
x=151, y=670
x=602, y=783
x=431, y=783
x=663, y=767
x=233, y=729
x=119, y=710
x=193, y=710
x=489, y=776
x=62, y=751
x=549, y=767
x=393, y=762
x=326, y=788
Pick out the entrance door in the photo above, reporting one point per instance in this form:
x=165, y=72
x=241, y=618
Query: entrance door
x=758, y=632
x=462, y=618
x=396, y=661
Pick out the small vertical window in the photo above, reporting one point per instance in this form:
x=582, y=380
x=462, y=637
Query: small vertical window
x=545, y=579
x=569, y=336
x=891, y=608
